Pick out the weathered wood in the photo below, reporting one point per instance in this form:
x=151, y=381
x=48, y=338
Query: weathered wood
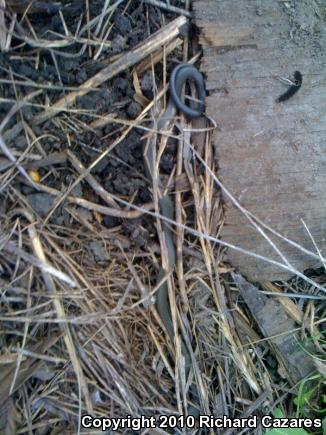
x=295, y=357
x=271, y=156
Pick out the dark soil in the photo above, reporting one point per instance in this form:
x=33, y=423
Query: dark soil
x=122, y=171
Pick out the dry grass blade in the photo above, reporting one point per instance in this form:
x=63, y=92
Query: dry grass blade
x=205, y=199
x=60, y=311
x=253, y=220
x=169, y=7
x=3, y=32
x=26, y=370
x=216, y=240
x=296, y=362
x=64, y=196
x=163, y=36
x=10, y=247
x=98, y=189
x=6, y=151
x=87, y=267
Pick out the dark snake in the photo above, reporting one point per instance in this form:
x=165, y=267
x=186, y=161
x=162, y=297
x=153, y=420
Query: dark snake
x=179, y=76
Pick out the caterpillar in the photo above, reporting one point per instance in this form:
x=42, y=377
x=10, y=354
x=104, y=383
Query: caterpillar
x=293, y=89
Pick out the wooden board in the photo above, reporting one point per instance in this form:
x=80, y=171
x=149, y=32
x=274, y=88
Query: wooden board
x=271, y=156
x=296, y=362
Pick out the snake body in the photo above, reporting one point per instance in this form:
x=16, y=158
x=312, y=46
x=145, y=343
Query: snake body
x=179, y=76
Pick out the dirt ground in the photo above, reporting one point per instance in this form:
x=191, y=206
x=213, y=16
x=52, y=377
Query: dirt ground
x=79, y=330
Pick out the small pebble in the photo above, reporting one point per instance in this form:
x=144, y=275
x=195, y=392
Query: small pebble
x=81, y=76
x=119, y=43
x=134, y=109
x=147, y=82
x=122, y=24
x=41, y=203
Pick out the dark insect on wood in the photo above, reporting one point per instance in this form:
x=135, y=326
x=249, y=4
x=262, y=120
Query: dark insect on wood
x=293, y=89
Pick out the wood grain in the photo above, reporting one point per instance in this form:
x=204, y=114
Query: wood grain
x=271, y=156
x=294, y=355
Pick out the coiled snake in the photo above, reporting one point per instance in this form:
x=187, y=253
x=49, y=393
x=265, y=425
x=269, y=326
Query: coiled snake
x=180, y=75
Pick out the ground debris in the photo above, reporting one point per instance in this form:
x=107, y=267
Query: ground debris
x=294, y=356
